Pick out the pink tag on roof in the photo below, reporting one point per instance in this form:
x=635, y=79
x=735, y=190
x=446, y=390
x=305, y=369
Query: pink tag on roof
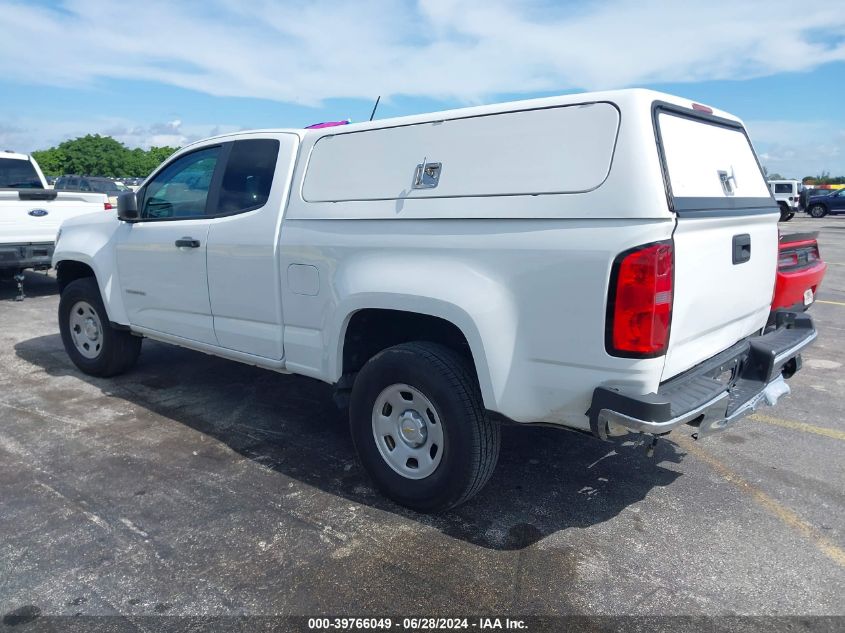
x=327, y=124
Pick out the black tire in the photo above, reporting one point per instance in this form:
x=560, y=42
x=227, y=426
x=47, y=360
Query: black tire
x=117, y=350
x=470, y=440
x=817, y=211
x=785, y=213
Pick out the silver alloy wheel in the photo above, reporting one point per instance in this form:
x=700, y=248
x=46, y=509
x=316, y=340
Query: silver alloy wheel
x=86, y=330
x=407, y=431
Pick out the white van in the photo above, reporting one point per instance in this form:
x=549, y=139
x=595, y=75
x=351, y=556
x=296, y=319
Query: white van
x=603, y=262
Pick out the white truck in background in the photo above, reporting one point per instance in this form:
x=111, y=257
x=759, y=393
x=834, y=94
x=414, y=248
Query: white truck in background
x=601, y=262
x=30, y=216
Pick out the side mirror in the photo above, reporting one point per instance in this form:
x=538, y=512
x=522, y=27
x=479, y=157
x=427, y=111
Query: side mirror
x=127, y=207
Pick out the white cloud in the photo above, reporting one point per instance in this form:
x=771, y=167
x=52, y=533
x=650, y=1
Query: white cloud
x=304, y=52
x=25, y=134
x=797, y=149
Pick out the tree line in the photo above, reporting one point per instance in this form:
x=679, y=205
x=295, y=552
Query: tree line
x=95, y=155
x=823, y=178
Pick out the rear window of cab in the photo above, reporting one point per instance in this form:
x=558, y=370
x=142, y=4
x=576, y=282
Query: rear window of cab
x=18, y=174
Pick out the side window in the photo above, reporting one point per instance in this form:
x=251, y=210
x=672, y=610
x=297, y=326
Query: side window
x=84, y=185
x=249, y=175
x=783, y=188
x=180, y=190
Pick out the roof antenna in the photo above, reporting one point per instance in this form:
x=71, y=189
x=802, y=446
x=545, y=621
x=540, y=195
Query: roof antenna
x=373, y=113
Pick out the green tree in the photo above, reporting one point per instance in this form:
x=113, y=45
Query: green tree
x=824, y=178
x=96, y=155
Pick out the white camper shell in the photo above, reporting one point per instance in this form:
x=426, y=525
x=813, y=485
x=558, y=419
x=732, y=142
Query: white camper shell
x=603, y=262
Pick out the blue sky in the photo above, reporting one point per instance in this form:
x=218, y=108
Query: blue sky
x=158, y=72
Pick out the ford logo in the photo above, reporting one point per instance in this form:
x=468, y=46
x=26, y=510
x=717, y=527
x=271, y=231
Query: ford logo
x=38, y=213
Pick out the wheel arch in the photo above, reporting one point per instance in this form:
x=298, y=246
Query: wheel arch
x=69, y=270
x=431, y=319
x=78, y=266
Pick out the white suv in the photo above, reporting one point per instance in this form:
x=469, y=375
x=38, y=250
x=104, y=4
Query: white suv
x=787, y=194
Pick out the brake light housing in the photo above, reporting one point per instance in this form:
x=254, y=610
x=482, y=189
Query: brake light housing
x=787, y=259
x=108, y=206
x=639, y=303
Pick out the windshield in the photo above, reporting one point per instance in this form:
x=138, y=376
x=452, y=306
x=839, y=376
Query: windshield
x=18, y=174
x=104, y=186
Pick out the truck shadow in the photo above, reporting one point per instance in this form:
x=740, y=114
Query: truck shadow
x=547, y=480
x=35, y=284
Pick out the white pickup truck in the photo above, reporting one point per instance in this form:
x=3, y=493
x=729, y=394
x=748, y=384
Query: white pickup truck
x=603, y=262
x=30, y=215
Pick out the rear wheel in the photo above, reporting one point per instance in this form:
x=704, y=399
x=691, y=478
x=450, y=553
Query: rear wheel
x=817, y=211
x=93, y=345
x=420, y=428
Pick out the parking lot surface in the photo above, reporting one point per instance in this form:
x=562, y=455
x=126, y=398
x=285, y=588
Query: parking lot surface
x=198, y=486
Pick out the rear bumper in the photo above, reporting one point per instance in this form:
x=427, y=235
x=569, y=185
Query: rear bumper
x=716, y=393
x=790, y=286
x=26, y=255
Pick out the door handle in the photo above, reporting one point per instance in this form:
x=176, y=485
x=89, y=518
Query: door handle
x=188, y=242
x=741, y=248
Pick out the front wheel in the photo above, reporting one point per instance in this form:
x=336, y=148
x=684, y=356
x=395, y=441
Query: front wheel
x=420, y=428
x=817, y=211
x=93, y=345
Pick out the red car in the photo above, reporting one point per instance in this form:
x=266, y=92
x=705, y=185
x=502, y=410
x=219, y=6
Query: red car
x=800, y=271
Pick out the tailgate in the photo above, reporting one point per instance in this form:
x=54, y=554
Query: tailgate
x=38, y=220
x=726, y=237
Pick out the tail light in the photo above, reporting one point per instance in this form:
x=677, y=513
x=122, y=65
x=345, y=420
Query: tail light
x=108, y=206
x=798, y=255
x=787, y=259
x=639, y=308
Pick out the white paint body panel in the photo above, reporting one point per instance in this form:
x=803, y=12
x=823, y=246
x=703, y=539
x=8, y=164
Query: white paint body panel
x=717, y=303
x=524, y=276
x=525, y=299
x=165, y=288
x=244, y=278
x=496, y=154
x=91, y=240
